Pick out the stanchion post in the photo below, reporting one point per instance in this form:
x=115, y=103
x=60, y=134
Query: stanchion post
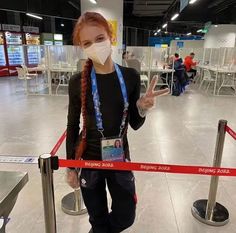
x=209, y=211
x=45, y=165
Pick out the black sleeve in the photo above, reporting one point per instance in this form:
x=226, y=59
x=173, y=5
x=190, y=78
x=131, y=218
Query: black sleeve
x=73, y=118
x=135, y=120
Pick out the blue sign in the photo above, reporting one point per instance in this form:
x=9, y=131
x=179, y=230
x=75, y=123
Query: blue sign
x=156, y=41
x=183, y=4
x=180, y=44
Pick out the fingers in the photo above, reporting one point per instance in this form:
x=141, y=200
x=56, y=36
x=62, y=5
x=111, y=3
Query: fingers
x=161, y=92
x=72, y=179
x=146, y=103
x=152, y=84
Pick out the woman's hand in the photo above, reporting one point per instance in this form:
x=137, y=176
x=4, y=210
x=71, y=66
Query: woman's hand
x=72, y=178
x=148, y=100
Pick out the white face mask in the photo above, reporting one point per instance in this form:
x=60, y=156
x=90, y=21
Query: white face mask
x=99, y=52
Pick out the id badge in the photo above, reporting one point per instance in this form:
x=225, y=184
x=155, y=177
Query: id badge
x=112, y=149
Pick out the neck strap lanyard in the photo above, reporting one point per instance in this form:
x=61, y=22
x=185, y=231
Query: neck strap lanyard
x=96, y=100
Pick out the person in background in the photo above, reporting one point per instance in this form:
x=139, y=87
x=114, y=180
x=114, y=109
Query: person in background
x=190, y=64
x=125, y=56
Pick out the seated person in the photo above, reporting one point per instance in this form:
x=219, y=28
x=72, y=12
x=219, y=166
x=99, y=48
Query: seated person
x=190, y=64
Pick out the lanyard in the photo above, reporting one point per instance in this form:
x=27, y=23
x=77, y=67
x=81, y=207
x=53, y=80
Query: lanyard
x=96, y=100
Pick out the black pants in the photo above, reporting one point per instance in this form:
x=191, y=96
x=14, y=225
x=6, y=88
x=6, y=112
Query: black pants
x=121, y=185
x=193, y=71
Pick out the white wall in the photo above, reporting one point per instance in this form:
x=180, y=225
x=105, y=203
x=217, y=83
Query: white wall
x=222, y=36
x=188, y=43
x=111, y=10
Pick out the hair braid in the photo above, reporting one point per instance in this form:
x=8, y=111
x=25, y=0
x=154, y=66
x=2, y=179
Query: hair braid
x=84, y=86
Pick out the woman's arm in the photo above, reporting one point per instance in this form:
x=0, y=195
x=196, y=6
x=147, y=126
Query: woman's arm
x=135, y=120
x=73, y=118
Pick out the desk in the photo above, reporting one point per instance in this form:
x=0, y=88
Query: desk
x=60, y=70
x=11, y=184
x=41, y=69
x=160, y=70
x=218, y=71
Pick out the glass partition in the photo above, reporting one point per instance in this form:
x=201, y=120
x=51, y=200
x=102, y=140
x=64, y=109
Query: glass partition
x=207, y=56
x=215, y=57
x=140, y=53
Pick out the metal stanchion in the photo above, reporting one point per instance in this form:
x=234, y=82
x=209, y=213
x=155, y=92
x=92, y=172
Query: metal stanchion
x=73, y=204
x=45, y=164
x=209, y=211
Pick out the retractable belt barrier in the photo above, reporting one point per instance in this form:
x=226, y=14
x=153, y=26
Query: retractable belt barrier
x=207, y=211
x=148, y=167
x=230, y=132
x=58, y=144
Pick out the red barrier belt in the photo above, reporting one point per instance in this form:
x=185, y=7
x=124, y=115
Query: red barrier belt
x=231, y=132
x=58, y=144
x=149, y=167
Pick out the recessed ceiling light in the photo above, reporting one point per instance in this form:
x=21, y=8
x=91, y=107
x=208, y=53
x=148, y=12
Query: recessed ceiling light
x=34, y=16
x=164, y=25
x=216, y=26
x=175, y=16
x=192, y=1
x=62, y=24
x=93, y=1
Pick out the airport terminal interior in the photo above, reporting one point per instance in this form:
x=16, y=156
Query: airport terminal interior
x=190, y=45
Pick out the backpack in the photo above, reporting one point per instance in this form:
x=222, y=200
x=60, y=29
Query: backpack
x=176, y=88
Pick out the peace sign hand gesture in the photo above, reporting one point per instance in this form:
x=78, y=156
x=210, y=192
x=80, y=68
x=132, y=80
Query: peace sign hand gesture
x=148, y=100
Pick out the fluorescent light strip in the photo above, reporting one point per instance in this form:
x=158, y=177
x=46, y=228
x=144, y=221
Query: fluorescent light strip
x=165, y=25
x=93, y=1
x=188, y=34
x=175, y=16
x=159, y=30
x=192, y=1
x=155, y=33
x=200, y=30
x=34, y=16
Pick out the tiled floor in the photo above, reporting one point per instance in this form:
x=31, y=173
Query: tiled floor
x=180, y=130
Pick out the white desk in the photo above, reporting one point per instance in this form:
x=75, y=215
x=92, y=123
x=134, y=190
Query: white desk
x=60, y=70
x=156, y=69
x=218, y=71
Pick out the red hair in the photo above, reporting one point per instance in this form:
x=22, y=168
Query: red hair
x=88, y=18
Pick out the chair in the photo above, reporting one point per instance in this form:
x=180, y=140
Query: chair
x=135, y=64
x=207, y=77
x=29, y=76
x=229, y=80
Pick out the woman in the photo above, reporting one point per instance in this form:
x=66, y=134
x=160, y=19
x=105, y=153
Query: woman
x=107, y=96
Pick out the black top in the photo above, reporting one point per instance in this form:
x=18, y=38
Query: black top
x=112, y=106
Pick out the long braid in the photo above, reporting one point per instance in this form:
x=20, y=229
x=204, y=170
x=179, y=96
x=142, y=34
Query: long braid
x=84, y=86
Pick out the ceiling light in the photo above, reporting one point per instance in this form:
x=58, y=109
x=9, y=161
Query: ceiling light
x=200, y=30
x=158, y=30
x=93, y=1
x=175, y=16
x=34, y=16
x=216, y=26
x=177, y=38
x=62, y=24
x=192, y=1
x=164, y=25
x=188, y=34
x=155, y=33
x=166, y=32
